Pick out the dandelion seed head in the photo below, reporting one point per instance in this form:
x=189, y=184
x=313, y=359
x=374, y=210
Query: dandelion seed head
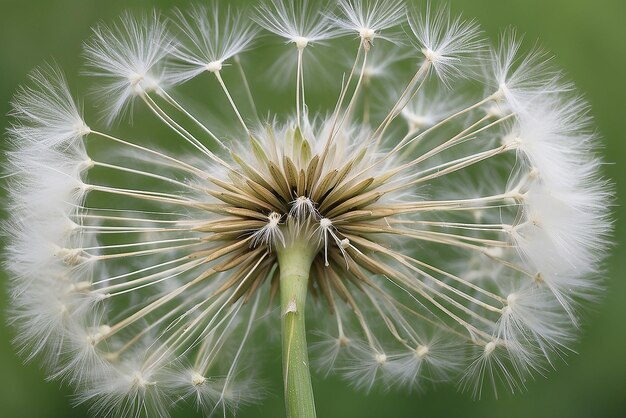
x=447, y=235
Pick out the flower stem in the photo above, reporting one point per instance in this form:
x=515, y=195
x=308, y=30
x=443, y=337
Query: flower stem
x=295, y=262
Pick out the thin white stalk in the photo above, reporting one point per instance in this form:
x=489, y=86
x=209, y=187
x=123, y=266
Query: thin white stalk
x=355, y=94
x=148, y=280
x=446, y=311
x=174, y=103
x=140, y=271
x=231, y=101
x=458, y=165
x=342, y=96
x=246, y=85
x=183, y=165
x=155, y=305
x=140, y=220
x=210, y=347
x=142, y=212
x=410, y=147
x=176, y=127
x=456, y=140
x=470, y=328
x=145, y=252
x=192, y=140
x=302, y=84
x=395, y=110
x=233, y=366
x=137, y=193
x=126, y=229
x=143, y=195
x=428, y=235
x=138, y=244
x=406, y=141
x=298, y=82
x=147, y=174
x=453, y=225
x=456, y=202
x=421, y=158
x=181, y=338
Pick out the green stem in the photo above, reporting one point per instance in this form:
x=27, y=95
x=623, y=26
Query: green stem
x=295, y=262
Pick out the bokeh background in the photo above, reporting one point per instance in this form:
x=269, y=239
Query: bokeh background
x=589, y=41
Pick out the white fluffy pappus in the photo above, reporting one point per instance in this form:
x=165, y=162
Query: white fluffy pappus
x=449, y=44
x=301, y=22
x=46, y=114
x=369, y=19
x=211, y=35
x=128, y=56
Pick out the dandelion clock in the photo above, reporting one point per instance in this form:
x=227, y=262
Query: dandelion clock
x=395, y=200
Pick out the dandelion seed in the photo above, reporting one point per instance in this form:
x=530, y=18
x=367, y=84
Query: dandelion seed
x=128, y=57
x=211, y=36
x=301, y=22
x=369, y=18
x=447, y=43
x=270, y=233
x=460, y=244
x=302, y=208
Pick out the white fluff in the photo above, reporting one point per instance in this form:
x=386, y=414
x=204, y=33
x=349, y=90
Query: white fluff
x=369, y=19
x=46, y=113
x=211, y=35
x=127, y=56
x=299, y=22
x=448, y=43
x=520, y=78
x=130, y=390
x=365, y=366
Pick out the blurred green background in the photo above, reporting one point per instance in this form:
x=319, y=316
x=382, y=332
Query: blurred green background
x=589, y=41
